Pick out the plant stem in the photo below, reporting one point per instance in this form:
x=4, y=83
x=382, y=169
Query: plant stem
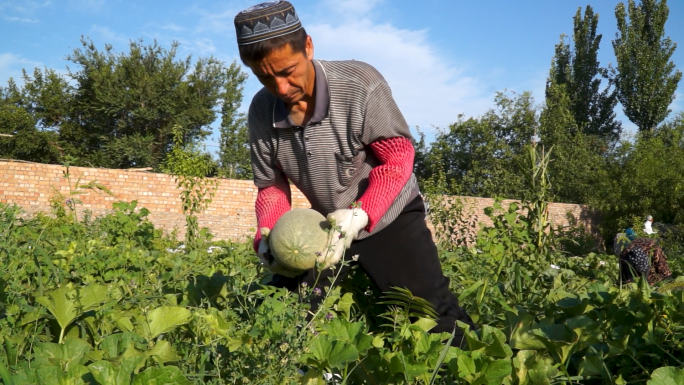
x=641, y=366
x=671, y=356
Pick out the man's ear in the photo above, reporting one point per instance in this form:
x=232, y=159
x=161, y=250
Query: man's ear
x=309, y=48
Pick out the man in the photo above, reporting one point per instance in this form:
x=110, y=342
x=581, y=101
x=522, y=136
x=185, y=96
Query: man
x=333, y=129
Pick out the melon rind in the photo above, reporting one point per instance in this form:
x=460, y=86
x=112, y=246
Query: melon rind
x=297, y=237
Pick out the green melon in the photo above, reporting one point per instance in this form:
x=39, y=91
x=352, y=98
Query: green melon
x=297, y=237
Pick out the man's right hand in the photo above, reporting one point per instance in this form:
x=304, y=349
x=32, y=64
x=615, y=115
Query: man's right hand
x=263, y=251
x=267, y=260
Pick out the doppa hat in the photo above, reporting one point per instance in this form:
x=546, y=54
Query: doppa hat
x=265, y=21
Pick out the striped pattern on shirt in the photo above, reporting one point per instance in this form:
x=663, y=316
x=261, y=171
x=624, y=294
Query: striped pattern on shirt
x=330, y=160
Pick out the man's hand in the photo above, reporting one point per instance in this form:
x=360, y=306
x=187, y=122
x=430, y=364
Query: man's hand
x=263, y=252
x=346, y=224
x=267, y=260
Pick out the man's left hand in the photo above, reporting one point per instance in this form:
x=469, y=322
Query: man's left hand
x=347, y=223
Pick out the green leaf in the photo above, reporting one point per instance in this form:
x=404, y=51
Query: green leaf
x=592, y=364
x=497, y=371
x=163, y=352
x=467, y=292
x=466, y=366
x=559, y=340
x=425, y=324
x=115, y=344
x=218, y=325
x=519, y=326
x=338, y=353
x=168, y=375
x=520, y=364
x=71, y=352
x=668, y=375
x=573, y=306
x=73, y=375
x=442, y=357
x=474, y=342
x=587, y=330
x=353, y=332
x=533, y=368
x=67, y=303
x=496, y=342
x=109, y=373
x=345, y=304
x=166, y=318
x=312, y=377
x=5, y=375
x=333, y=353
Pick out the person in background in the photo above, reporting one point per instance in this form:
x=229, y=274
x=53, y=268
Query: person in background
x=646, y=258
x=622, y=240
x=333, y=129
x=648, y=225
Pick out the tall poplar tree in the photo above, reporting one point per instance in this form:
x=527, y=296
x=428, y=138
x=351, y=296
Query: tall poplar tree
x=577, y=68
x=646, y=78
x=234, y=156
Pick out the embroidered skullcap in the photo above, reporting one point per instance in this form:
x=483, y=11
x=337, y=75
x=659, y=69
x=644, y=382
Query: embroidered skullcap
x=265, y=21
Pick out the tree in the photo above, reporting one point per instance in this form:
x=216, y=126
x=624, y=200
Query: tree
x=646, y=79
x=24, y=135
x=577, y=68
x=477, y=156
x=115, y=109
x=234, y=156
x=126, y=105
x=577, y=158
x=645, y=176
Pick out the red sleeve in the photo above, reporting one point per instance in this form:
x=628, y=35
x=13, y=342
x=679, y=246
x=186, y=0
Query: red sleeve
x=271, y=203
x=386, y=180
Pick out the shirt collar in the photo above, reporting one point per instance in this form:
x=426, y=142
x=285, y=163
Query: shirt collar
x=281, y=117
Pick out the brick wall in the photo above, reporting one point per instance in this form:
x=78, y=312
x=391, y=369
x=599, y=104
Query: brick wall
x=230, y=215
x=558, y=212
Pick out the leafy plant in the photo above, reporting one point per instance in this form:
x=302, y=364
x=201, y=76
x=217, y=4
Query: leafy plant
x=116, y=302
x=65, y=206
x=190, y=168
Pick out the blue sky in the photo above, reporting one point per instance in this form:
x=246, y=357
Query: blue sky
x=441, y=58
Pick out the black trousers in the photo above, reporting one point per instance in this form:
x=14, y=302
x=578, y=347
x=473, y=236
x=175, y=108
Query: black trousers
x=404, y=255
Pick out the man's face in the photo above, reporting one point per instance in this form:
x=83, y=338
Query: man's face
x=286, y=74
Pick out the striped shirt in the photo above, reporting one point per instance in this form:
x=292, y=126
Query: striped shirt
x=329, y=159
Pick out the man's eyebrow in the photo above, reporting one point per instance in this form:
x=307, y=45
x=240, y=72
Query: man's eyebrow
x=287, y=69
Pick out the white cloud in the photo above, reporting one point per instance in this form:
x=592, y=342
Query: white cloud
x=21, y=19
x=27, y=6
x=11, y=66
x=199, y=47
x=88, y=5
x=677, y=104
x=118, y=40
x=173, y=27
x=22, y=12
x=220, y=23
x=351, y=7
x=429, y=90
